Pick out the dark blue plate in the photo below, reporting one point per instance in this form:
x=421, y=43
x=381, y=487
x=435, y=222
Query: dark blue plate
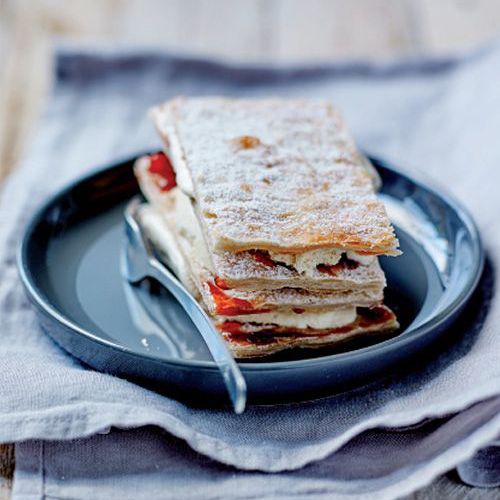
x=69, y=263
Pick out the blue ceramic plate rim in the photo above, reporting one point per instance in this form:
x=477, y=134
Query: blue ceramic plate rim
x=381, y=348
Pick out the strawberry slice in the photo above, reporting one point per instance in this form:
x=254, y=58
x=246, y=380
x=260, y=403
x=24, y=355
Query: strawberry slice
x=233, y=327
x=161, y=168
x=344, y=263
x=226, y=305
x=221, y=283
x=263, y=257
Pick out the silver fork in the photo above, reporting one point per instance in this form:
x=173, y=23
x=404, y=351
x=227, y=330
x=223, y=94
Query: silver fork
x=140, y=263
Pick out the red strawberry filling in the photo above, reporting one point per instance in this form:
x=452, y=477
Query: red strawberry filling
x=162, y=170
x=263, y=257
x=344, y=263
x=225, y=305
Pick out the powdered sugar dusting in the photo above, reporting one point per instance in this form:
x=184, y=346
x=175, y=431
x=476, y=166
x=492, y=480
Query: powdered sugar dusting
x=277, y=174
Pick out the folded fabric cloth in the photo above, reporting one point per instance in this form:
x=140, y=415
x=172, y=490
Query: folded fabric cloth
x=440, y=115
x=148, y=463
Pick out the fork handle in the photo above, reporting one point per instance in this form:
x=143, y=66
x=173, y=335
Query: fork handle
x=231, y=374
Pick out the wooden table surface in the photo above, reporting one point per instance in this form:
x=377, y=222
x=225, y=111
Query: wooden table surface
x=242, y=30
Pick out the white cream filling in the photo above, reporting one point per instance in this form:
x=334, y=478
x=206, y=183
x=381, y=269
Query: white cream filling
x=364, y=260
x=189, y=227
x=182, y=175
x=317, y=320
x=306, y=262
x=159, y=232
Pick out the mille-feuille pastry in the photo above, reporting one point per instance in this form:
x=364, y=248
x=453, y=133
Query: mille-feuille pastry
x=270, y=207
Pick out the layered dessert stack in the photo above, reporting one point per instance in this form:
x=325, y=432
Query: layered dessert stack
x=270, y=217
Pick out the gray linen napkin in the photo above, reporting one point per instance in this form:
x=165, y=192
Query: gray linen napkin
x=441, y=116
x=149, y=463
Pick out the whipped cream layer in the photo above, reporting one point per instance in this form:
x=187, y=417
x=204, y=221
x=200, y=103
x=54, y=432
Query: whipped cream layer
x=189, y=228
x=317, y=319
x=176, y=156
x=159, y=232
x=306, y=262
